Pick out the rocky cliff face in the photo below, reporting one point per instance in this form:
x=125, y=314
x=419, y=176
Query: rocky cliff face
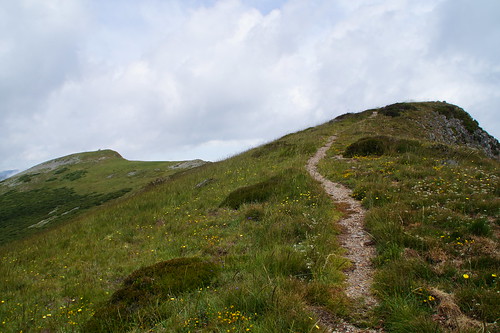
x=452, y=131
x=450, y=124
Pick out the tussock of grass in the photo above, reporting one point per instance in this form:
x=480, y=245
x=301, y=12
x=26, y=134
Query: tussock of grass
x=150, y=286
x=256, y=193
x=380, y=145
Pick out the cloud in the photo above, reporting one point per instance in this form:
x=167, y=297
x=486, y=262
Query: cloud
x=196, y=79
x=37, y=50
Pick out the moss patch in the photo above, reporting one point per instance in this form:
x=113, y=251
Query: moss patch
x=380, y=145
x=394, y=110
x=149, y=286
x=255, y=193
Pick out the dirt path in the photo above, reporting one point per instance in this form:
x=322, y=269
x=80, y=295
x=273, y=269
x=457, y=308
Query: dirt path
x=354, y=239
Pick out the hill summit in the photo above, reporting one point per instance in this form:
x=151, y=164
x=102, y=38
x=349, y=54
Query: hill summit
x=439, y=122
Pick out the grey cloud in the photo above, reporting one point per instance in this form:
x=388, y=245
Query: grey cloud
x=470, y=28
x=177, y=80
x=39, y=51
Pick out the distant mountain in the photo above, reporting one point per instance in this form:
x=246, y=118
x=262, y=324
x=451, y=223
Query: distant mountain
x=7, y=173
x=59, y=189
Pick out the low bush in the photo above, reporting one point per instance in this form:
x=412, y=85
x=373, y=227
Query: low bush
x=255, y=193
x=394, y=110
x=148, y=286
x=75, y=175
x=380, y=145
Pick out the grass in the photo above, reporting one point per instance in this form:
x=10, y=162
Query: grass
x=276, y=254
x=271, y=232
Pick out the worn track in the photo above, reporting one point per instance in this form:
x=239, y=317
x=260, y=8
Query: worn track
x=357, y=242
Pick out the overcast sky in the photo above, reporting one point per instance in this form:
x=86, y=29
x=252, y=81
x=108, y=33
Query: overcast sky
x=185, y=79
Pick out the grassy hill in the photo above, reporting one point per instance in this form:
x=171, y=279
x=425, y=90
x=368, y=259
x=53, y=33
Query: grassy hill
x=250, y=243
x=60, y=189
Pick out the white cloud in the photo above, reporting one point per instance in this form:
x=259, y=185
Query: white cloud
x=197, y=79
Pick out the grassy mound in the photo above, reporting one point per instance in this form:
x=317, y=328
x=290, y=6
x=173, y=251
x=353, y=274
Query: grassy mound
x=380, y=145
x=149, y=286
x=395, y=110
x=274, y=188
x=255, y=193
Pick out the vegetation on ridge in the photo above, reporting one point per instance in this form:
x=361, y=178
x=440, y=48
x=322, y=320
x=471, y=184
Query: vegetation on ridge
x=270, y=231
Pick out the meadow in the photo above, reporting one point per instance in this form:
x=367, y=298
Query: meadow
x=274, y=255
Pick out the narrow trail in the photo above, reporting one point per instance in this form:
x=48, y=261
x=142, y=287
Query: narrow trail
x=355, y=240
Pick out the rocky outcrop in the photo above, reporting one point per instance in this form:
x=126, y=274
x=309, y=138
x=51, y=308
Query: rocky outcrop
x=449, y=129
x=452, y=131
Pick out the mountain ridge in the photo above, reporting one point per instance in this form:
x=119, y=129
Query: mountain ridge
x=257, y=239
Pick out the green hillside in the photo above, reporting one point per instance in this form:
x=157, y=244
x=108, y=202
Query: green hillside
x=60, y=189
x=250, y=244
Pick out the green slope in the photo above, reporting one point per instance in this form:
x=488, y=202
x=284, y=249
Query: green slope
x=249, y=243
x=60, y=189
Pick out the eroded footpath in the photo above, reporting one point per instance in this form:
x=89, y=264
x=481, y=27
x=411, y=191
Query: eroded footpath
x=354, y=239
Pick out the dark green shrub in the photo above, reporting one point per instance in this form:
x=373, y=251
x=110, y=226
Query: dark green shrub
x=381, y=145
x=61, y=170
x=370, y=146
x=394, y=110
x=259, y=192
x=148, y=286
x=75, y=175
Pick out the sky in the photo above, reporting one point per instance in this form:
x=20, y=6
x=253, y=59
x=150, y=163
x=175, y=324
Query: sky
x=186, y=79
